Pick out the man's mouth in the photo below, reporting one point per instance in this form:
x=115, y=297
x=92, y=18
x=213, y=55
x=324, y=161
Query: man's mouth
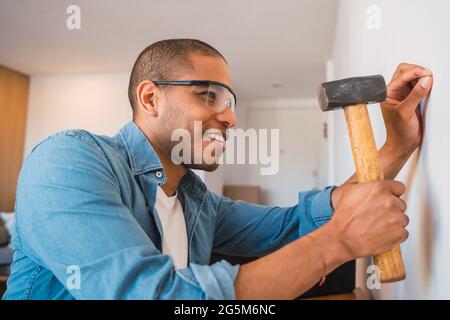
x=214, y=136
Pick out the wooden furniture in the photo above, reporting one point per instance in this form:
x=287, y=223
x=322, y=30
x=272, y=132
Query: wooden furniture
x=251, y=194
x=13, y=112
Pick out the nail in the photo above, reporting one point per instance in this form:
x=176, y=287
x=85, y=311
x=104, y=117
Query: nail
x=425, y=82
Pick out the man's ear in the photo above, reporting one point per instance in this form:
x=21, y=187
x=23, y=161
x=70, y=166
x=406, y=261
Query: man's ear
x=147, y=94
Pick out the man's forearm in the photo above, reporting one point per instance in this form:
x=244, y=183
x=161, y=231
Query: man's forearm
x=391, y=160
x=293, y=269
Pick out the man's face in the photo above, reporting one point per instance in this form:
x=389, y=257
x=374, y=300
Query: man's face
x=184, y=106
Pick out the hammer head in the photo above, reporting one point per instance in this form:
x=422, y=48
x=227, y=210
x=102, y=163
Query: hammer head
x=347, y=92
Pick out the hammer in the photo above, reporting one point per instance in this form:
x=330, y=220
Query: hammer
x=353, y=94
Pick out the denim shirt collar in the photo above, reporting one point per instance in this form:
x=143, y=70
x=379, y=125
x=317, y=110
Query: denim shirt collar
x=144, y=159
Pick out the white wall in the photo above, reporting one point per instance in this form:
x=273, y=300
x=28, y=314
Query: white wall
x=300, y=149
x=96, y=102
x=417, y=32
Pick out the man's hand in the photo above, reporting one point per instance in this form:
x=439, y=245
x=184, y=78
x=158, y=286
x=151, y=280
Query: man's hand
x=369, y=218
x=409, y=85
x=400, y=110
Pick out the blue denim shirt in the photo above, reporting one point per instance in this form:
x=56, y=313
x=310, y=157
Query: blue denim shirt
x=86, y=227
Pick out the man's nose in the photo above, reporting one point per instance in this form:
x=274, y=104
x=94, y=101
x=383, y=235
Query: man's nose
x=228, y=117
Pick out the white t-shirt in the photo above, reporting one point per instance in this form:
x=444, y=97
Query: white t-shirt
x=174, y=243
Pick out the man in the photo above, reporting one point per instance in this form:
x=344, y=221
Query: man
x=118, y=218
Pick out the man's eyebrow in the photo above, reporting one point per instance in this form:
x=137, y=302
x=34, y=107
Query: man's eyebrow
x=206, y=85
x=202, y=86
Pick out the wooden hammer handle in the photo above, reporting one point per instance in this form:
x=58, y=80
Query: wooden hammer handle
x=368, y=168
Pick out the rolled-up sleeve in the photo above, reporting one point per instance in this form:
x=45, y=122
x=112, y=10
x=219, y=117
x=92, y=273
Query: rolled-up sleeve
x=244, y=229
x=217, y=280
x=314, y=209
x=70, y=216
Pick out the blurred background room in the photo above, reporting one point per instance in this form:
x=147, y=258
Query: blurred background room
x=59, y=72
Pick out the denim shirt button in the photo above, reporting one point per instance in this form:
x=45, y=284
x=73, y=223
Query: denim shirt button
x=158, y=174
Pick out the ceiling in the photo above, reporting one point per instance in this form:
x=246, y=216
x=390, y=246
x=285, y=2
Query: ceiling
x=276, y=49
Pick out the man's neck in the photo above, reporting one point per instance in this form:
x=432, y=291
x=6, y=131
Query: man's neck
x=174, y=173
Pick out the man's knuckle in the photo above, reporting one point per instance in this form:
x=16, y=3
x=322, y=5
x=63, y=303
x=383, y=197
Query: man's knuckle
x=379, y=186
x=394, y=221
x=393, y=203
x=389, y=204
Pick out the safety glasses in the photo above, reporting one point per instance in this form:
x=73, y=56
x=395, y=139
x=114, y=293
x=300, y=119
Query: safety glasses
x=215, y=95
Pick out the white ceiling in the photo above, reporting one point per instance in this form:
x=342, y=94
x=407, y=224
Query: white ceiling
x=265, y=41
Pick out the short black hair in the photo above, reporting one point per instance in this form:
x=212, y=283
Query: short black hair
x=162, y=61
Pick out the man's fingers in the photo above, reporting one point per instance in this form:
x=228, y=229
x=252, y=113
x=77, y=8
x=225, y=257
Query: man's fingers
x=403, y=68
x=398, y=84
x=397, y=188
x=397, y=220
x=417, y=94
x=400, y=204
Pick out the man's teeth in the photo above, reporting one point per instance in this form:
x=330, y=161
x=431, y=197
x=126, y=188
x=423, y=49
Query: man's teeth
x=215, y=137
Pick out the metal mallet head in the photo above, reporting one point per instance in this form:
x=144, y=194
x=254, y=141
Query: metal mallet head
x=351, y=91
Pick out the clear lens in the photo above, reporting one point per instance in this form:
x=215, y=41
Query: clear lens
x=218, y=98
x=214, y=95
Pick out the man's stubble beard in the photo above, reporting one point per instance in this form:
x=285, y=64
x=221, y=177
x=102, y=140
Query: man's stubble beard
x=203, y=166
x=166, y=144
